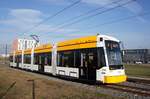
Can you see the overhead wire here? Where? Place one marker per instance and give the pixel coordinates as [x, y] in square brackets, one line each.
[88, 12]
[50, 17]
[88, 17]
[85, 14]
[93, 15]
[118, 20]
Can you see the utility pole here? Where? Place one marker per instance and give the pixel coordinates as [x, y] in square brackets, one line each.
[123, 51]
[6, 54]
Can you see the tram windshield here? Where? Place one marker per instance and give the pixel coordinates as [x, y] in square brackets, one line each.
[114, 55]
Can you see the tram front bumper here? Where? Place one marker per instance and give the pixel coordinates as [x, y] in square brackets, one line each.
[115, 79]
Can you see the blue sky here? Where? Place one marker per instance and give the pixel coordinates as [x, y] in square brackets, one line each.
[17, 16]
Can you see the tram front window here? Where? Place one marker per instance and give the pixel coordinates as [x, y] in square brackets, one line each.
[114, 55]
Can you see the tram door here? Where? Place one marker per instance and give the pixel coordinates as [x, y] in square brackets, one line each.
[83, 67]
[88, 66]
[41, 63]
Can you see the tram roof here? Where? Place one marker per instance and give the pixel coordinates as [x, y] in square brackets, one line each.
[43, 48]
[81, 40]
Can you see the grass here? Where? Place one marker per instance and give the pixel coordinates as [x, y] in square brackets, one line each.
[138, 70]
[4, 60]
[44, 89]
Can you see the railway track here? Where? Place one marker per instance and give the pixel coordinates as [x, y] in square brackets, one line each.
[139, 80]
[129, 89]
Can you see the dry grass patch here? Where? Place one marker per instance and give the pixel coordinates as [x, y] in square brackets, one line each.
[44, 89]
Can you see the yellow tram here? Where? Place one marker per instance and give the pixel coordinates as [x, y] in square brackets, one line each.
[92, 58]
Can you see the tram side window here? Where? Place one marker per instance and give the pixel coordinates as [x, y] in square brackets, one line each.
[43, 58]
[66, 59]
[77, 58]
[27, 59]
[36, 59]
[59, 59]
[101, 57]
[69, 59]
[50, 59]
[47, 59]
[18, 58]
